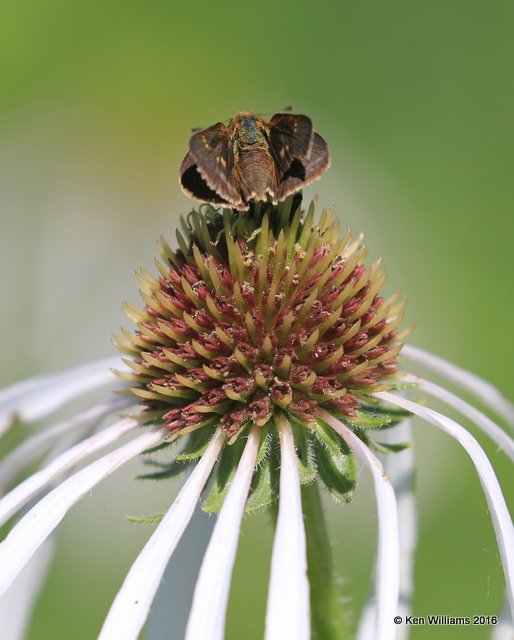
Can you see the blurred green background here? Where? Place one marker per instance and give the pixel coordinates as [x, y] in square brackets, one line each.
[415, 100]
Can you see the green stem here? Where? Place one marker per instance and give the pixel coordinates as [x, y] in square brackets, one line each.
[327, 616]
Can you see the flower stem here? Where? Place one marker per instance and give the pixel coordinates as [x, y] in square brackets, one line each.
[328, 620]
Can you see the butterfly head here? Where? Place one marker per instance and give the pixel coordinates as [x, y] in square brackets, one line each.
[248, 129]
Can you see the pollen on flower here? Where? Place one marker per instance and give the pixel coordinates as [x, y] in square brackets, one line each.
[276, 312]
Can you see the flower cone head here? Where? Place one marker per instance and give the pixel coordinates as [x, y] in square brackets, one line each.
[261, 313]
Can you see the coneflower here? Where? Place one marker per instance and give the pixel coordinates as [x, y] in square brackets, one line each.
[265, 360]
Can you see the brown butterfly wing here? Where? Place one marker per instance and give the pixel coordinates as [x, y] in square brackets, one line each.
[211, 150]
[290, 139]
[194, 185]
[304, 172]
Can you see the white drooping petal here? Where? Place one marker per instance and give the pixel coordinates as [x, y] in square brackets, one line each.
[367, 617]
[36, 397]
[504, 629]
[172, 601]
[401, 470]
[482, 389]
[288, 608]
[22, 493]
[388, 553]
[208, 612]
[499, 512]
[37, 524]
[496, 433]
[132, 604]
[16, 604]
[32, 448]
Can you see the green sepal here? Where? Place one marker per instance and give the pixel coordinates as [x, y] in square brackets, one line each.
[162, 446]
[336, 464]
[304, 453]
[222, 475]
[150, 462]
[395, 421]
[384, 447]
[146, 519]
[197, 443]
[169, 470]
[365, 420]
[371, 405]
[373, 415]
[265, 445]
[265, 481]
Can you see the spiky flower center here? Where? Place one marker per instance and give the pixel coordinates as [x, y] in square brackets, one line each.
[260, 313]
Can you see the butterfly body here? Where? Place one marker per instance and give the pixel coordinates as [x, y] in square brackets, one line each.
[253, 159]
[254, 170]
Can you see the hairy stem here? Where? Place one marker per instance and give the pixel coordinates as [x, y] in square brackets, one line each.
[328, 621]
